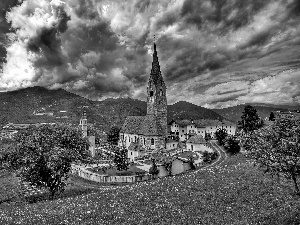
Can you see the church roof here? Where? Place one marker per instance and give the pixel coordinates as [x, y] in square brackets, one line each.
[196, 139]
[145, 125]
[132, 124]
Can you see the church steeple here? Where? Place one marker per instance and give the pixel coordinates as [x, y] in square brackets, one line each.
[156, 94]
[155, 70]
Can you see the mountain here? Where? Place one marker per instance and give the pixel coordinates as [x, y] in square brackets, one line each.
[186, 110]
[28, 106]
[263, 110]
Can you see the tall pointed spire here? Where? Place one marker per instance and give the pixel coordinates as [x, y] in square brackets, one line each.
[155, 70]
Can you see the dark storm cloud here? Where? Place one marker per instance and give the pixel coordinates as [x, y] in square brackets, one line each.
[84, 9]
[142, 5]
[47, 43]
[83, 38]
[197, 13]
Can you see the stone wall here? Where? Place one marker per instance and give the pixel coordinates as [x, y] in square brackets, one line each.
[88, 175]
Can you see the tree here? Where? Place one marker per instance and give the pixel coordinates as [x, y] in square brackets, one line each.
[191, 162]
[207, 137]
[209, 156]
[121, 159]
[113, 135]
[153, 169]
[272, 116]
[250, 120]
[100, 138]
[221, 135]
[276, 148]
[43, 155]
[232, 145]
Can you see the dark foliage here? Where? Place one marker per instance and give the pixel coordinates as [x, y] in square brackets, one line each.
[276, 148]
[121, 159]
[221, 135]
[272, 116]
[232, 145]
[153, 170]
[113, 135]
[43, 155]
[250, 120]
[208, 157]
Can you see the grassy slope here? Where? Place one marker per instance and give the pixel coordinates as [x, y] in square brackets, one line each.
[233, 193]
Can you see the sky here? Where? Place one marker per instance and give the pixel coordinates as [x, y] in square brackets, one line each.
[213, 53]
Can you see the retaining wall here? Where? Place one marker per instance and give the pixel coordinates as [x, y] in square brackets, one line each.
[88, 175]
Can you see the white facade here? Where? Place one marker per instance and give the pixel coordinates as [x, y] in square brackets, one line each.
[171, 145]
[183, 130]
[198, 147]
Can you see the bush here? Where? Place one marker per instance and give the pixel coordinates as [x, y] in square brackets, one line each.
[232, 145]
[208, 157]
[153, 170]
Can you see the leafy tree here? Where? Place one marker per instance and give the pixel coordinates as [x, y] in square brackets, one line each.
[43, 155]
[209, 156]
[113, 135]
[276, 148]
[121, 159]
[272, 116]
[154, 169]
[207, 137]
[250, 120]
[232, 145]
[221, 135]
[191, 162]
[100, 138]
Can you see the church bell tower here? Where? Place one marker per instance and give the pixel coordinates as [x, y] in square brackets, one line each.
[156, 94]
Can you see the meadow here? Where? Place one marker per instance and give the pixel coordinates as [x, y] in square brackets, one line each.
[232, 192]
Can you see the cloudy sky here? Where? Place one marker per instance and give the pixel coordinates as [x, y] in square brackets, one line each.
[213, 53]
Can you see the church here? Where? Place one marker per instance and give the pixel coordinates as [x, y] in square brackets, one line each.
[140, 134]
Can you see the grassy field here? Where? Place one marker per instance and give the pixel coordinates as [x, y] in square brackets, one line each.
[233, 192]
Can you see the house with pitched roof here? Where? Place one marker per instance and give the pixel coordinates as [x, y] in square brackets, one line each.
[146, 133]
[197, 143]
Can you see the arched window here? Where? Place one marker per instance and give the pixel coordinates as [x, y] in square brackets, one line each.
[144, 141]
[152, 141]
[151, 93]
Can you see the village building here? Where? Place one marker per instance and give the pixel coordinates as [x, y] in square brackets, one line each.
[197, 143]
[184, 129]
[171, 144]
[146, 133]
[91, 139]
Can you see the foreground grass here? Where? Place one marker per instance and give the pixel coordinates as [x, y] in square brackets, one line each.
[232, 193]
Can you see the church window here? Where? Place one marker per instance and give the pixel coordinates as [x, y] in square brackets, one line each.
[135, 139]
[151, 93]
[144, 141]
[131, 153]
[192, 147]
[152, 141]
